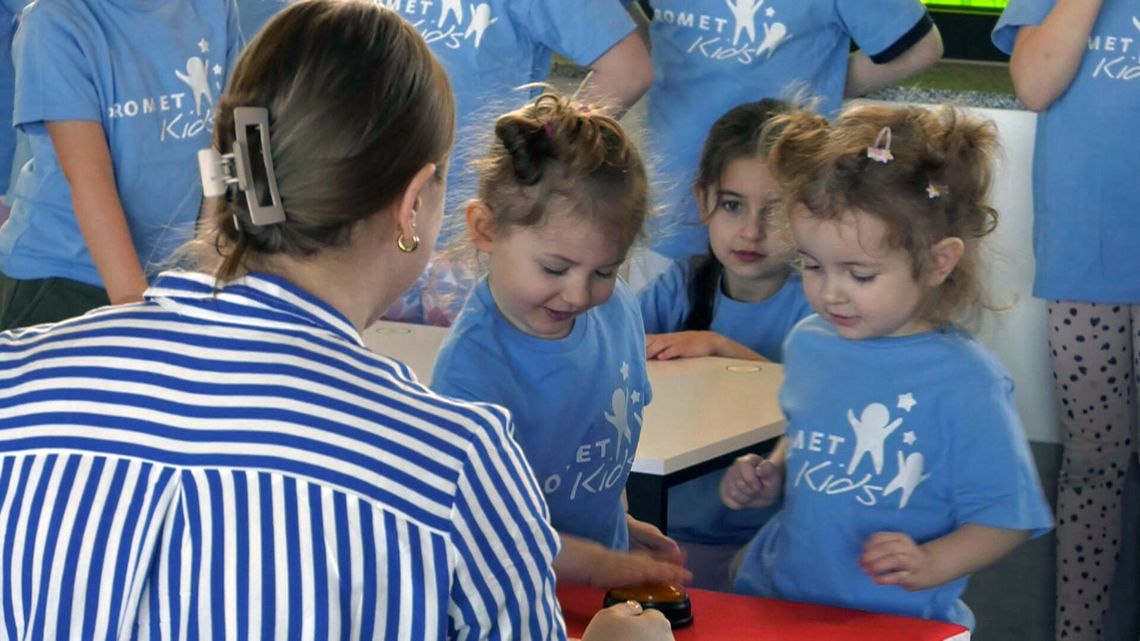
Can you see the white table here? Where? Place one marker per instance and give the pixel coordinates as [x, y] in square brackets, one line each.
[704, 413]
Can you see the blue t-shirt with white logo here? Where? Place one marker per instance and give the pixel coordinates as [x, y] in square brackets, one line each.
[696, 512]
[150, 73]
[577, 402]
[1085, 162]
[492, 47]
[712, 55]
[916, 434]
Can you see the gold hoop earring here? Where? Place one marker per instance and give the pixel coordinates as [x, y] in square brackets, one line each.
[408, 247]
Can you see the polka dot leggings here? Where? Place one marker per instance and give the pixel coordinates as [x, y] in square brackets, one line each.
[1095, 352]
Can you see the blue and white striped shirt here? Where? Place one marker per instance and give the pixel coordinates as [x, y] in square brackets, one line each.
[235, 464]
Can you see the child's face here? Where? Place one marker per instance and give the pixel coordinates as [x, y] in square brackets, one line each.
[853, 280]
[737, 210]
[544, 277]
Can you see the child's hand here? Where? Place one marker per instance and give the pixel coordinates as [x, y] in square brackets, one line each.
[680, 345]
[751, 482]
[893, 558]
[618, 569]
[691, 344]
[645, 537]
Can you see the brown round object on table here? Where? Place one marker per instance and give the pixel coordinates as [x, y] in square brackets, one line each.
[670, 600]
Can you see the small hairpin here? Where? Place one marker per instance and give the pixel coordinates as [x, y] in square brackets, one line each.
[549, 129]
[881, 154]
[933, 191]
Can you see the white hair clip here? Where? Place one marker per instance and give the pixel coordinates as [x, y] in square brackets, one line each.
[933, 191]
[881, 153]
[218, 170]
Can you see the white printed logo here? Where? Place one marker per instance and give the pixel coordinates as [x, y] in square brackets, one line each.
[712, 40]
[198, 80]
[450, 7]
[599, 465]
[745, 13]
[480, 20]
[178, 122]
[872, 432]
[448, 28]
[1121, 60]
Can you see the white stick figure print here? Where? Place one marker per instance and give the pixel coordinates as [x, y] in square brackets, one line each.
[871, 431]
[774, 34]
[620, 418]
[745, 13]
[198, 80]
[910, 476]
[480, 20]
[451, 7]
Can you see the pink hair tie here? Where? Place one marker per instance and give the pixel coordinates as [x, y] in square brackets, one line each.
[549, 130]
[882, 154]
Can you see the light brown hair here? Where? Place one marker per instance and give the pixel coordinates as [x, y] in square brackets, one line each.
[357, 105]
[825, 167]
[552, 150]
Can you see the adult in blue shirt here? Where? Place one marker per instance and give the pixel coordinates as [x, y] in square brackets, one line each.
[490, 49]
[226, 458]
[115, 99]
[1074, 64]
[711, 55]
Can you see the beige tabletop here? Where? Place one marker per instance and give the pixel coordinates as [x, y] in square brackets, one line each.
[702, 408]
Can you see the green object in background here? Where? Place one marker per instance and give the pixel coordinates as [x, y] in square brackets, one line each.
[990, 5]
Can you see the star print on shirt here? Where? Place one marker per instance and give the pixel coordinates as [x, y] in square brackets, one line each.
[770, 12]
[909, 438]
[217, 70]
[204, 45]
[906, 401]
[625, 370]
[635, 396]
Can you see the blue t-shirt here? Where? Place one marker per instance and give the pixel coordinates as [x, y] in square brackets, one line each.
[916, 434]
[696, 512]
[150, 74]
[576, 402]
[1085, 162]
[709, 58]
[761, 327]
[253, 14]
[492, 47]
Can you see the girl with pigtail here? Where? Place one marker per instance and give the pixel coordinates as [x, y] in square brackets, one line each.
[907, 468]
[555, 336]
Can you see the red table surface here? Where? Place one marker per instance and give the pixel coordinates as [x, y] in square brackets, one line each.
[718, 616]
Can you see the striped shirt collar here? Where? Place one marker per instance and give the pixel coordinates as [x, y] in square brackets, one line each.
[257, 299]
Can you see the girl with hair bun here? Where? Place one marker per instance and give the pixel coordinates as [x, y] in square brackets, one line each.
[553, 334]
[907, 468]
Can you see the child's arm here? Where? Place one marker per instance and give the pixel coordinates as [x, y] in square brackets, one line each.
[695, 343]
[619, 77]
[864, 76]
[754, 481]
[1046, 56]
[85, 160]
[893, 558]
[589, 563]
